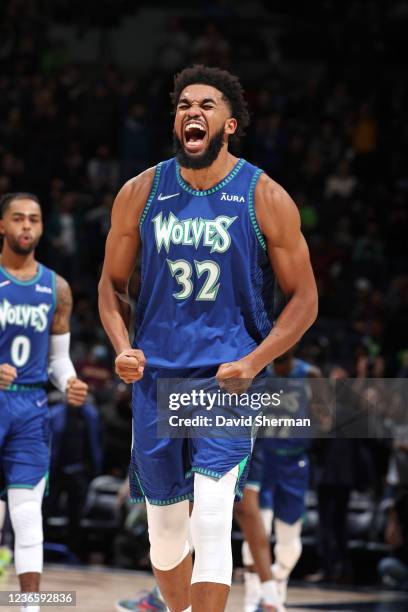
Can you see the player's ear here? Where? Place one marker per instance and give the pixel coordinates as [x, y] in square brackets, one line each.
[231, 126]
[1, 227]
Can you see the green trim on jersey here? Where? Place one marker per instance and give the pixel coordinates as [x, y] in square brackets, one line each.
[15, 280]
[163, 502]
[216, 187]
[251, 209]
[27, 387]
[152, 194]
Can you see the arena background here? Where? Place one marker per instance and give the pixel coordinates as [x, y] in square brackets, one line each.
[84, 105]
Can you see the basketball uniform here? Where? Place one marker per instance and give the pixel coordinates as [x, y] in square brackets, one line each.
[280, 466]
[205, 299]
[26, 312]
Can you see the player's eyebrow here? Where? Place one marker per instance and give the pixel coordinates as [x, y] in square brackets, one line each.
[22, 214]
[204, 101]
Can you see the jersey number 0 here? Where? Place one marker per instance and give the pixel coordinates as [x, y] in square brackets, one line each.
[20, 351]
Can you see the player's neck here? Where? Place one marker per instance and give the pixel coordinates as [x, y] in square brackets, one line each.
[18, 265]
[208, 177]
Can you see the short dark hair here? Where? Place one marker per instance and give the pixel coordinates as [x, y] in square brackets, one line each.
[8, 198]
[226, 83]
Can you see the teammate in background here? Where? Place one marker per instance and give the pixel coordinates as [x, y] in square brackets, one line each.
[210, 229]
[275, 492]
[35, 309]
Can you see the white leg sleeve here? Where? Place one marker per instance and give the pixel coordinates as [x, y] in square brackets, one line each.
[211, 524]
[267, 518]
[287, 549]
[26, 518]
[168, 534]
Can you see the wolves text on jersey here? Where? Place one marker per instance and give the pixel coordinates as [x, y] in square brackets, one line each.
[212, 233]
[24, 315]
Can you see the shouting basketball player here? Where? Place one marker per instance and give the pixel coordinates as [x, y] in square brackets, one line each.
[213, 232]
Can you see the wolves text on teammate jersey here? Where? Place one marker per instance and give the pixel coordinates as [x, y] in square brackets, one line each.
[24, 315]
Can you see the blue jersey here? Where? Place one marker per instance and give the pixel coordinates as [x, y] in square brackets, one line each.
[26, 312]
[295, 404]
[207, 286]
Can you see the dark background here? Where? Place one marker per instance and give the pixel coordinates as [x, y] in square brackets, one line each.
[84, 106]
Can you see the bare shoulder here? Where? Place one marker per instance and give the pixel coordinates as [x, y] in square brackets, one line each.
[133, 196]
[276, 212]
[63, 309]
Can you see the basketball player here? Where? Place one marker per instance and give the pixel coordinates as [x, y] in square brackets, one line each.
[211, 229]
[277, 483]
[35, 308]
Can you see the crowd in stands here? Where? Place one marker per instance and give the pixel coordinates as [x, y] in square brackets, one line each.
[331, 129]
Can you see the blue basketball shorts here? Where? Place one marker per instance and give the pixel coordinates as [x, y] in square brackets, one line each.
[161, 468]
[24, 438]
[256, 467]
[284, 484]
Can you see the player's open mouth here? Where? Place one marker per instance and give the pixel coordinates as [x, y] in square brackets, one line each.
[26, 238]
[195, 136]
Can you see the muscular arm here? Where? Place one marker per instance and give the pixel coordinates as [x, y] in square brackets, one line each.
[63, 310]
[122, 247]
[288, 253]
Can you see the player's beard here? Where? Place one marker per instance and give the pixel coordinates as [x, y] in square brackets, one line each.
[205, 159]
[18, 249]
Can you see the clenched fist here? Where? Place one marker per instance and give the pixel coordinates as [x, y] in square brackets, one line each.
[129, 365]
[235, 377]
[76, 391]
[7, 374]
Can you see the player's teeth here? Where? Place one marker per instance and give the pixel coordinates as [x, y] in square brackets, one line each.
[194, 125]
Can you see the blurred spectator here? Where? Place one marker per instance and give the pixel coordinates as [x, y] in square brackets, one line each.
[365, 141]
[63, 236]
[394, 569]
[174, 48]
[103, 170]
[338, 469]
[135, 142]
[368, 255]
[76, 458]
[341, 184]
[211, 49]
[117, 418]
[96, 371]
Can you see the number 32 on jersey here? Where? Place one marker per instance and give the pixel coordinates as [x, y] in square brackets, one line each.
[182, 271]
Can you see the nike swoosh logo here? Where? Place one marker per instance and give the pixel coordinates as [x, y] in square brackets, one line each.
[4, 283]
[166, 197]
[41, 402]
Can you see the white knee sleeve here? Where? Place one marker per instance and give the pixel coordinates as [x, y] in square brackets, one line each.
[267, 518]
[26, 518]
[168, 534]
[288, 548]
[211, 524]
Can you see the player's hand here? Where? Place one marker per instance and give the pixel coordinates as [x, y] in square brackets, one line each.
[130, 364]
[7, 374]
[235, 377]
[76, 391]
